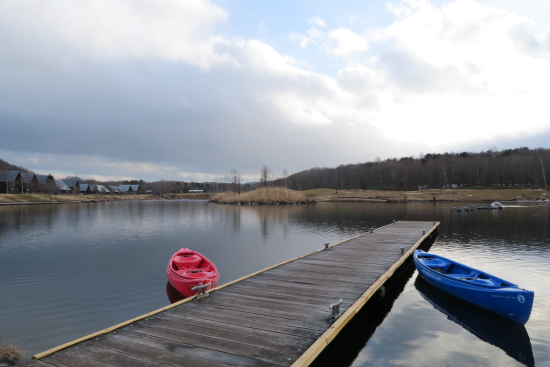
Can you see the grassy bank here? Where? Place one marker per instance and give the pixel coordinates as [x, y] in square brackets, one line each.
[191, 196]
[264, 195]
[459, 195]
[42, 198]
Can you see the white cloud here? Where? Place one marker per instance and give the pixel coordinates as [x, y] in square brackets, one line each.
[317, 21]
[347, 42]
[406, 8]
[464, 66]
[483, 82]
[341, 42]
[197, 176]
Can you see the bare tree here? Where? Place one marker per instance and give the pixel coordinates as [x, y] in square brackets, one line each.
[236, 181]
[51, 189]
[6, 176]
[539, 154]
[265, 175]
[285, 175]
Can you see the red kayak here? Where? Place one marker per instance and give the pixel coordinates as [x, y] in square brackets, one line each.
[188, 269]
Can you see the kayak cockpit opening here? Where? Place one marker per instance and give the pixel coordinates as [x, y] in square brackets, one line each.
[458, 270]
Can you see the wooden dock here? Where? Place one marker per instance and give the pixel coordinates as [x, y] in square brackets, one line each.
[275, 317]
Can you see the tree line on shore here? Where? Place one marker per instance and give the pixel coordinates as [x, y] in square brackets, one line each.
[520, 167]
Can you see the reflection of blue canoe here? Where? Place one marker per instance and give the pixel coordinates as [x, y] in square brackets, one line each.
[476, 287]
[512, 338]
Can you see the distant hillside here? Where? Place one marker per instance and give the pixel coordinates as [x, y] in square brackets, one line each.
[5, 166]
[521, 167]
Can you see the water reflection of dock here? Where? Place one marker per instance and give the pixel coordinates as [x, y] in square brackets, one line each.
[276, 317]
[512, 338]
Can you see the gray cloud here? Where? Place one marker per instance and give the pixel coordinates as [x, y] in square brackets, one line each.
[150, 110]
[532, 140]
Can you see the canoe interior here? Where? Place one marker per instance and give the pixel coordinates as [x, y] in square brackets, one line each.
[461, 272]
[191, 264]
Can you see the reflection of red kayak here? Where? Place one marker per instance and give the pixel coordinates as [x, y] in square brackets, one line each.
[188, 269]
[173, 294]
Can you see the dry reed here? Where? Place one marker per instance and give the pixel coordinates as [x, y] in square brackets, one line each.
[10, 353]
[263, 195]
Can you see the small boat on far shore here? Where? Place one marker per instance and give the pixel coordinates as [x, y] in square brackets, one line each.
[188, 269]
[496, 205]
[476, 287]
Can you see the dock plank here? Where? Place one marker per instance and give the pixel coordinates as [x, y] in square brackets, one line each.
[215, 341]
[191, 353]
[229, 298]
[160, 354]
[261, 338]
[270, 294]
[112, 357]
[222, 319]
[254, 317]
[37, 363]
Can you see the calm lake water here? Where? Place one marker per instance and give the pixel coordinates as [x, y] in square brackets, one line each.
[69, 270]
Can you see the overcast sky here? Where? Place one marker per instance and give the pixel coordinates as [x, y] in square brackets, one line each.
[188, 90]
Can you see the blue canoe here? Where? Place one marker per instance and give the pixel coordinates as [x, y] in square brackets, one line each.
[476, 287]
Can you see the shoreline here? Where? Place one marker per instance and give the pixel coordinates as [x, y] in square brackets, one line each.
[434, 195]
[316, 195]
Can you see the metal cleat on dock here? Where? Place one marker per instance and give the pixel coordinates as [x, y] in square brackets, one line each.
[335, 307]
[201, 291]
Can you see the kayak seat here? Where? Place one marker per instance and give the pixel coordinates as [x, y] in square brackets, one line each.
[488, 282]
[195, 273]
[186, 261]
[433, 263]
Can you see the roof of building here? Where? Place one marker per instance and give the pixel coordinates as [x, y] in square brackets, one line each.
[8, 176]
[28, 177]
[101, 188]
[61, 185]
[125, 188]
[43, 178]
[71, 182]
[84, 187]
[114, 188]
